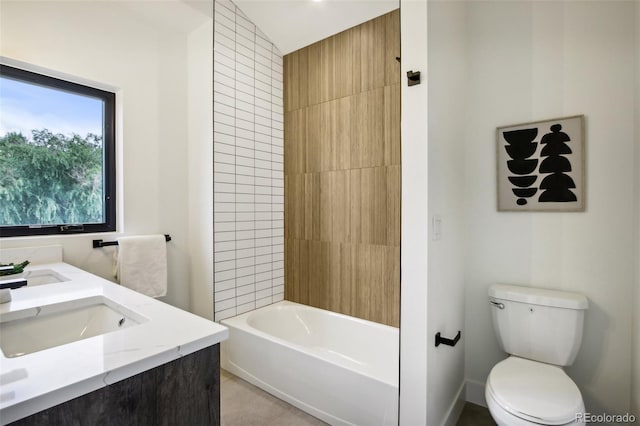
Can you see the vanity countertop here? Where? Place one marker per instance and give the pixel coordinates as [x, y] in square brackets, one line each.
[37, 381]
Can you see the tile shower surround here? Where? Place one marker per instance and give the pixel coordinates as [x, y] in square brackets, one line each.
[248, 165]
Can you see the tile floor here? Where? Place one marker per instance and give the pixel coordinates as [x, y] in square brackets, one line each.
[242, 404]
[475, 415]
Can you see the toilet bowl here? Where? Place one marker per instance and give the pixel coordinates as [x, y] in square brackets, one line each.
[521, 392]
[541, 330]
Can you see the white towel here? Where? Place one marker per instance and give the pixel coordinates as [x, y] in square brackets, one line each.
[142, 264]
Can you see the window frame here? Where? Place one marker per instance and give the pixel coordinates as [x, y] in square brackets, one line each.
[108, 150]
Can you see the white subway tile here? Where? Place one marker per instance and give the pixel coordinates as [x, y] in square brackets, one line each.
[262, 294]
[245, 42]
[224, 246]
[225, 275]
[263, 267]
[261, 285]
[263, 173]
[225, 313]
[245, 198]
[224, 256]
[242, 133]
[245, 106]
[224, 236]
[261, 198]
[244, 143]
[245, 235]
[247, 279]
[243, 78]
[224, 295]
[245, 216]
[225, 285]
[245, 180]
[265, 69]
[248, 34]
[264, 259]
[261, 242]
[244, 124]
[244, 161]
[245, 51]
[263, 301]
[224, 138]
[223, 177]
[224, 128]
[223, 148]
[245, 289]
[224, 217]
[225, 30]
[224, 207]
[243, 22]
[244, 253]
[263, 216]
[245, 60]
[225, 266]
[222, 88]
[244, 170]
[247, 261]
[261, 94]
[221, 19]
[278, 248]
[225, 304]
[223, 187]
[244, 97]
[278, 281]
[224, 197]
[245, 244]
[246, 307]
[262, 224]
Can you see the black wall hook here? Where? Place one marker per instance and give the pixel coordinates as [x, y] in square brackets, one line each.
[445, 341]
[413, 78]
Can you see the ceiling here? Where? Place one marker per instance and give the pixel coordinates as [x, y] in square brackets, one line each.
[178, 15]
[293, 24]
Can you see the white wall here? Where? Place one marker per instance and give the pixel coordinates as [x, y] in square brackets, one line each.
[635, 393]
[105, 42]
[447, 75]
[248, 165]
[537, 60]
[414, 234]
[200, 152]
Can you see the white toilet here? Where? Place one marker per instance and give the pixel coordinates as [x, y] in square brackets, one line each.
[542, 331]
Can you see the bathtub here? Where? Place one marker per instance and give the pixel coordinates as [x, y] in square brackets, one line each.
[340, 369]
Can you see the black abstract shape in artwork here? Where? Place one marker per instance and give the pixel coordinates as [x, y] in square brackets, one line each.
[520, 147]
[556, 185]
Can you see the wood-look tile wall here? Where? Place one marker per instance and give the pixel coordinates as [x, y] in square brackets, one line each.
[342, 172]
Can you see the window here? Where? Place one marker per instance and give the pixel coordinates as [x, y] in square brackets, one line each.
[57, 156]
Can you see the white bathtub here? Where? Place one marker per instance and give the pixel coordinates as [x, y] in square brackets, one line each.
[340, 369]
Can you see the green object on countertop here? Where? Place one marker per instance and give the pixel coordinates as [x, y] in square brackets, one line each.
[13, 268]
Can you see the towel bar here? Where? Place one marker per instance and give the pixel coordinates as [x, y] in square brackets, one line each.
[100, 243]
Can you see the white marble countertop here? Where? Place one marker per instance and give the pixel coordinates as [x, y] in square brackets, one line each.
[36, 381]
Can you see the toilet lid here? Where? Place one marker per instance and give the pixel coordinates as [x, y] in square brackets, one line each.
[535, 391]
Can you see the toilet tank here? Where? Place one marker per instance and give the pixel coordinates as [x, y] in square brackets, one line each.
[538, 324]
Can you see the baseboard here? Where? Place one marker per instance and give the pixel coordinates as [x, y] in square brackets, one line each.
[474, 393]
[456, 408]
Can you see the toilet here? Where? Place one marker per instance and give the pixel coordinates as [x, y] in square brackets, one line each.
[541, 330]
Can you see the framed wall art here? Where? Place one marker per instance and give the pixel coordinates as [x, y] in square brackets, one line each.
[541, 165]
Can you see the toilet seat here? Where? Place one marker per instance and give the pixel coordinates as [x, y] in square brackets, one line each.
[535, 392]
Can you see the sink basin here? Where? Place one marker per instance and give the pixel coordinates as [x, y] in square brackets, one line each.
[36, 329]
[37, 277]
[43, 276]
